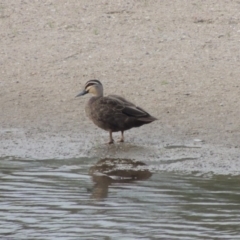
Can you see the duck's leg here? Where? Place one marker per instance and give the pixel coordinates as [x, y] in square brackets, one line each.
[122, 137]
[111, 141]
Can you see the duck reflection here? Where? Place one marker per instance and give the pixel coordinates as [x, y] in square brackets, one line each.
[115, 170]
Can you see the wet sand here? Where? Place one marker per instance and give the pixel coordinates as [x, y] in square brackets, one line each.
[179, 61]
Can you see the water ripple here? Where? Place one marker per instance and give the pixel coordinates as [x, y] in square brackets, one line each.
[58, 199]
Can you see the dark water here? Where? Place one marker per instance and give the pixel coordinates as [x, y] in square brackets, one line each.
[57, 199]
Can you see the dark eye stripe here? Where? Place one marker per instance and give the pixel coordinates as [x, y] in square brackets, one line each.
[96, 81]
[92, 82]
[89, 84]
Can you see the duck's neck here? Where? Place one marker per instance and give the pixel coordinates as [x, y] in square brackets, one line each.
[98, 94]
[94, 98]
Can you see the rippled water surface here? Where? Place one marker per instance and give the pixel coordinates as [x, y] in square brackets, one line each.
[57, 199]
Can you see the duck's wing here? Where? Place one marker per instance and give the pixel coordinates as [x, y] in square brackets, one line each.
[138, 113]
[121, 99]
[129, 109]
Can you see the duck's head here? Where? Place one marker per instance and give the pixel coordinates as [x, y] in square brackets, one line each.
[92, 86]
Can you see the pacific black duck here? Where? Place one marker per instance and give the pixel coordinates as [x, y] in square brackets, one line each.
[113, 113]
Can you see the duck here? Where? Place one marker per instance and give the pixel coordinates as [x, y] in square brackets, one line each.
[112, 113]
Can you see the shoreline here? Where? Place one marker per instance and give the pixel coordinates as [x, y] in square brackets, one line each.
[179, 62]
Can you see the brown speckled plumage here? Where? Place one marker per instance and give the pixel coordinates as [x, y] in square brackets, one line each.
[113, 113]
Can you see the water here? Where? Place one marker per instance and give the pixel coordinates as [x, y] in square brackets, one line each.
[57, 199]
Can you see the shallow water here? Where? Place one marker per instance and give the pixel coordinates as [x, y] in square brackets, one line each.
[57, 199]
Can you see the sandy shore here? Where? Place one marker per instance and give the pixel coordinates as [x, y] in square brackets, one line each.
[178, 60]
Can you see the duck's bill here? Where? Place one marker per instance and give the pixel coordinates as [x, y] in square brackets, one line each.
[82, 93]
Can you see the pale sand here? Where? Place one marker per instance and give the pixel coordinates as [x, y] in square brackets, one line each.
[179, 60]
